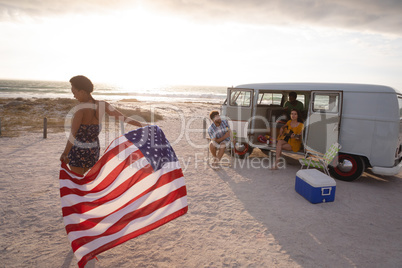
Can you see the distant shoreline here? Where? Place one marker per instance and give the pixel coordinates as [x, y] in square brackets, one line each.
[110, 92]
[22, 115]
[128, 100]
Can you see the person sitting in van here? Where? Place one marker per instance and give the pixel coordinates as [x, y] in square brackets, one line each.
[293, 103]
[219, 132]
[289, 136]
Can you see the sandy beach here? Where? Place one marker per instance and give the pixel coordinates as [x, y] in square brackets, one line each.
[240, 216]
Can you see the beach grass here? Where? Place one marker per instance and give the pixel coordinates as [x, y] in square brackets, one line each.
[19, 115]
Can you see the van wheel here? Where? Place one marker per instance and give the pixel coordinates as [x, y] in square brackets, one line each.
[242, 150]
[349, 168]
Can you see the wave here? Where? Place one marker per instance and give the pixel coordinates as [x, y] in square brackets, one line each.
[52, 89]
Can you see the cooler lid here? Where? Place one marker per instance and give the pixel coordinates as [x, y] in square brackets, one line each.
[315, 178]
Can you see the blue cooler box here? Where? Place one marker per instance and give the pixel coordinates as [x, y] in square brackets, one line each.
[315, 186]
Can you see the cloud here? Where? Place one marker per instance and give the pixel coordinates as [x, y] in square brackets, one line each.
[18, 9]
[362, 15]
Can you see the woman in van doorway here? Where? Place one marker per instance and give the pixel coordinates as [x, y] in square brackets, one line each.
[290, 136]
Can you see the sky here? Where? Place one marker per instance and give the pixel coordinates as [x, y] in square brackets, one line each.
[202, 42]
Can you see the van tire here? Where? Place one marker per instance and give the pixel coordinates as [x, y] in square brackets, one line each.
[356, 167]
[244, 153]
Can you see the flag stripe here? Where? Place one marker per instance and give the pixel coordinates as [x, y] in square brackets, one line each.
[136, 186]
[106, 181]
[134, 226]
[110, 207]
[123, 178]
[115, 143]
[138, 203]
[90, 223]
[95, 170]
[120, 152]
[109, 178]
[126, 219]
[132, 235]
[112, 218]
[112, 181]
[109, 162]
[121, 189]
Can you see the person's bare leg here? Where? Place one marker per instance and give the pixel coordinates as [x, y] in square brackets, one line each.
[221, 151]
[212, 148]
[279, 147]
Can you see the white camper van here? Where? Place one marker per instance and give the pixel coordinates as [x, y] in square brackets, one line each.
[364, 119]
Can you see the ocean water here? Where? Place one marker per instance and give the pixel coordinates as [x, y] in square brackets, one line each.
[114, 92]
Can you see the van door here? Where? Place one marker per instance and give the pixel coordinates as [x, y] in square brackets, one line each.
[239, 109]
[323, 120]
[239, 104]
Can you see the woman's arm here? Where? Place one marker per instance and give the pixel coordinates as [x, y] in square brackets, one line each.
[299, 133]
[301, 128]
[75, 124]
[110, 110]
[283, 128]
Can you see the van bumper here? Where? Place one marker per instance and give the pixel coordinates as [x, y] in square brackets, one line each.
[388, 171]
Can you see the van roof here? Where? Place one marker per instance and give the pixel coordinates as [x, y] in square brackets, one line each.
[320, 86]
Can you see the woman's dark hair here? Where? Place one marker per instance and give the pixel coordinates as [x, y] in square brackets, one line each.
[81, 82]
[299, 117]
[213, 114]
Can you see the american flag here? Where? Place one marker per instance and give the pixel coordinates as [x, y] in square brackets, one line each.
[135, 187]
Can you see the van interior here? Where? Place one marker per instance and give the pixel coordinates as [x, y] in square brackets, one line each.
[270, 114]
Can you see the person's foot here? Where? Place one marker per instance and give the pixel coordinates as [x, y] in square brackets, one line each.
[215, 165]
[273, 168]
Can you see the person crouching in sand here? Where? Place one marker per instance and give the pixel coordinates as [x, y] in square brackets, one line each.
[219, 132]
[290, 136]
[83, 148]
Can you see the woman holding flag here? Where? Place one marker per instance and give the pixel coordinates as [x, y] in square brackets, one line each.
[82, 149]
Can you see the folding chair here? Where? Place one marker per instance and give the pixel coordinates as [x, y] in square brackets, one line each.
[322, 160]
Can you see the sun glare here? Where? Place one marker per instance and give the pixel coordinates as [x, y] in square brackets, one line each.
[126, 47]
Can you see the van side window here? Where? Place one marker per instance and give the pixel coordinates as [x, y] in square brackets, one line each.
[400, 106]
[301, 98]
[270, 98]
[240, 98]
[327, 103]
